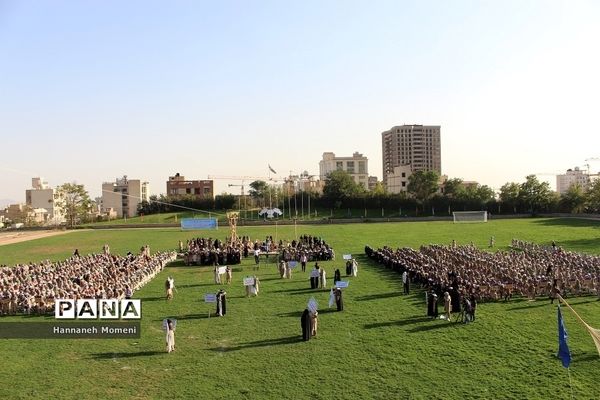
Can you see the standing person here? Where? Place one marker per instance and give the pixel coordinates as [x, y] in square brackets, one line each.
[314, 321]
[128, 292]
[306, 325]
[282, 269]
[492, 241]
[473, 306]
[447, 305]
[106, 249]
[221, 303]
[337, 276]
[406, 282]
[354, 268]
[314, 277]
[180, 246]
[348, 268]
[303, 260]
[254, 289]
[432, 305]
[217, 276]
[228, 274]
[170, 336]
[256, 257]
[288, 271]
[322, 278]
[169, 286]
[339, 300]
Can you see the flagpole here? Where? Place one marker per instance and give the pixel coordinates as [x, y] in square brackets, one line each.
[570, 385]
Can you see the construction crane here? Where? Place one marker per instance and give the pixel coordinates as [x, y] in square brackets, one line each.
[587, 162]
[242, 194]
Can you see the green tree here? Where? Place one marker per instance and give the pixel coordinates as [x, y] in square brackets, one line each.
[423, 184]
[535, 194]
[509, 195]
[573, 200]
[259, 190]
[379, 189]
[593, 197]
[74, 201]
[453, 188]
[225, 201]
[340, 185]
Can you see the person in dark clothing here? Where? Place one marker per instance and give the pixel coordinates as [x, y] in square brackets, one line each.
[337, 276]
[306, 324]
[221, 303]
[339, 300]
[432, 305]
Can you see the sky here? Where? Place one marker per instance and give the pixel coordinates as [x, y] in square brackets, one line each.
[91, 91]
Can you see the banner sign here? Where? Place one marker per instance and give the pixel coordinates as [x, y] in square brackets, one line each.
[210, 298]
[222, 270]
[199, 223]
[341, 284]
[249, 281]
[347, 256]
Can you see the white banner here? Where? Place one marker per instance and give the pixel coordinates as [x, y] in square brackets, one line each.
[347, 256]
[342, 284]
[249, 281]
[210, 298]
[222, 270]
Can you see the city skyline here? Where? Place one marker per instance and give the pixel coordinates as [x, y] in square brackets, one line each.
[92, 92]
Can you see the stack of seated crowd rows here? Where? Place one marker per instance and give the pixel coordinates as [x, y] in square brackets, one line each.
[312, 247]
[209, 251]
[33, 287]
[492, 276]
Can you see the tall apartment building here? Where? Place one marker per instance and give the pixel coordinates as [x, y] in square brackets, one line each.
[123, 196]
[178, 186]
[416, 145]
[357, 166]
[572, 177]
[41, 195]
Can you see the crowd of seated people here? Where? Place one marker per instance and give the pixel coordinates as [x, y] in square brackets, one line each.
[209, 251]
[34, 287]
[531, 272]
[313, 248]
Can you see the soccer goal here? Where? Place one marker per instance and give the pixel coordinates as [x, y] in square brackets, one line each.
[470, 216]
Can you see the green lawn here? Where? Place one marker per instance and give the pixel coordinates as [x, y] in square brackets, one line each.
[380, 347]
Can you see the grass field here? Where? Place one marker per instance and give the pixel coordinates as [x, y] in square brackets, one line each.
[380, 347]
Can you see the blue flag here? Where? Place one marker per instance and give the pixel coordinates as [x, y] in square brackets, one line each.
[563, 349]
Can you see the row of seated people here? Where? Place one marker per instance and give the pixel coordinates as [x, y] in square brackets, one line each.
[499, 275]
[26, 288]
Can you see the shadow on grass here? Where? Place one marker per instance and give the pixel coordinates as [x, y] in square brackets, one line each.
[594, 223]
[300, 291]
[260, 343]
[434, 325]
[110, 356]
[163, 298]
[403, 322]
[378, 296]
[530, 305]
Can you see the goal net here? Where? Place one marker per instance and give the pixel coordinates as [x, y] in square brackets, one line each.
[470, 216]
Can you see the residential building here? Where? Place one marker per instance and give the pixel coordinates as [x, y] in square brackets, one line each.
[41, 195]
[397, 179]
[357, 166]
[178, 186]
[572, 177]
[123, 196]
[416, 145]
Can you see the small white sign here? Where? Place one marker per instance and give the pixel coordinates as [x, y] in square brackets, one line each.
[347, 256]
[312, 305]
[342, 284]
[222, 270]
[210, 298]
[249, 281]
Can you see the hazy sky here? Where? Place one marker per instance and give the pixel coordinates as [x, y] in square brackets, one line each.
[92, 90]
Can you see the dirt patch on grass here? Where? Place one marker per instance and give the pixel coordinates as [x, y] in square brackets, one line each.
[23, 236]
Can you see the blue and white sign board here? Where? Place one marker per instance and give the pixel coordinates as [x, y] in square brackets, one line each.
[222, 270]
[347, 256]
[165, 324]
[292, 264]
[312, 305]
[249, 281]
[210, 298]
[199, 223]
[341, 284]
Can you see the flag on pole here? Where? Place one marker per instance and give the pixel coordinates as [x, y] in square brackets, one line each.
[563, 349]
[271, 169]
